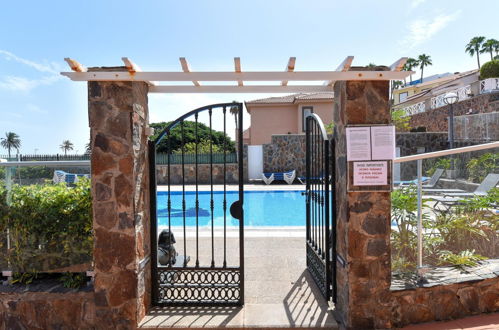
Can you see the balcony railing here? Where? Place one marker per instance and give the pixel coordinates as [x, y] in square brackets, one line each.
[415, 108]
[486, 86]
[463, 93]
[489, 85]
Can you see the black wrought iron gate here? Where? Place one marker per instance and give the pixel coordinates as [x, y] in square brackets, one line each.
[204, 268]
[320, 207]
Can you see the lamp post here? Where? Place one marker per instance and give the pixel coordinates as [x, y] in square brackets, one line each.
[451, 98]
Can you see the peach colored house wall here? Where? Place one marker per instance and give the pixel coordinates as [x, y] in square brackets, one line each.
[268, 120]
[324, 110]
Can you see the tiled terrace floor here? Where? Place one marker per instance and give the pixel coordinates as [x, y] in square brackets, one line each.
[279, 292]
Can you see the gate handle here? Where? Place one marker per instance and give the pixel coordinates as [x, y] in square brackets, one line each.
[236, 210]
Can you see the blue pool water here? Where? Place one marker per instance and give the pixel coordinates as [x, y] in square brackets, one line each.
[261, 208]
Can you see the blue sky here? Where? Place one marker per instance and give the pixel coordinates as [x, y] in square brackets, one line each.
[45, 108]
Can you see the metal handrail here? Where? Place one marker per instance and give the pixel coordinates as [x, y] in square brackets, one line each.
[68, 163]
[447, 152]
[419, 188]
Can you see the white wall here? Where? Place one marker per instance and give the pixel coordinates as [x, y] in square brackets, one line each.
[255, 162]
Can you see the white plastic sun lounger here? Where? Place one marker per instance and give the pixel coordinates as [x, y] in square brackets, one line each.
[289, 177]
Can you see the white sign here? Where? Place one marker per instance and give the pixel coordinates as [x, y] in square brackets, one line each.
[358, 143]
[370, 173]
[383, 142]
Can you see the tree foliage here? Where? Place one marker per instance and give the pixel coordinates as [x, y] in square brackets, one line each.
[423, 60]
[66, 145]
[11, 141]
[490, 46]
[189, 128]
[474, 47]
[401, 120]
[490, 70]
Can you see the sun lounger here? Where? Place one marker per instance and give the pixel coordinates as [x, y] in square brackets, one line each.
[61, 176]
[289, 177]
[452, 199]
[488, 183]
[428, 182]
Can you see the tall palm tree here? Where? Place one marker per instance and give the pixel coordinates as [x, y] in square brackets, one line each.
[234, 110]
[11, 141]
[66, 145]
[410, 64]
[496, 48]
[423, 60]
[474, 46]
[489, 46]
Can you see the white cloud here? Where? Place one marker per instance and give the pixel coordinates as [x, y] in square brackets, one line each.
[416, 3]
[34, 108]
[49, 68]
[422, 30]
[16, 83]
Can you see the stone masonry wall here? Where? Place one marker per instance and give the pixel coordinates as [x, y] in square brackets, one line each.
[435, 120]
[363, 218]
[118, 116]
[44, 310]
[445, 302]
[204, 174]
[285, 153]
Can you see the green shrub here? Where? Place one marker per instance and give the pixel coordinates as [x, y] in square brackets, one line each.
[478, 168]
[490, 70]
[461, 237]
[50, 226]
[440, 163]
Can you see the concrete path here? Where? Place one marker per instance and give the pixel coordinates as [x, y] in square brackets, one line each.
[279, 293]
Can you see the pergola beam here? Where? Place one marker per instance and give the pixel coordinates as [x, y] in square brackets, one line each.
[237, 68]
[399, 64]
[289, 68]
[233, 76]
[133, 68]
[74, 65]
[241, 89]
[186, 68]
[343, 67]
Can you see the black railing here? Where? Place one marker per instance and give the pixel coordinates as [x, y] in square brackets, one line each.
[320, 220]
[218, 158]
[47, 157]
[210, 279]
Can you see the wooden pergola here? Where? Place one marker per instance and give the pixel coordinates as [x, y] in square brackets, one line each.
[322, 81]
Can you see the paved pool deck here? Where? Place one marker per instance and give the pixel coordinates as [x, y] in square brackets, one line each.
[279, 291]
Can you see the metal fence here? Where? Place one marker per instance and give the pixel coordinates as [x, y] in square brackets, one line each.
[161, 158]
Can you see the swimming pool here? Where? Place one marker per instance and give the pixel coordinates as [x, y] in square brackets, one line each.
[261, 208]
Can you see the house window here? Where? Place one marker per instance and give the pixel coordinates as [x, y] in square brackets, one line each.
[403, 97]
[305, 111]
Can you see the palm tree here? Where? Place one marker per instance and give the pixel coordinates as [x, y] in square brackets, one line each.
[473, 47]
[496, 48]
[11, 140]
[423, 60]
[489, 46]
[66, 145]
[410, 64]
[234, 110]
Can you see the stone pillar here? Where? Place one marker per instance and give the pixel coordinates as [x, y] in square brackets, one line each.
[118, 115]
[363, 218]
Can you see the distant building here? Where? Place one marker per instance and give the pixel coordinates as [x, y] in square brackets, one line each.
[285, 115]
[404, 94]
